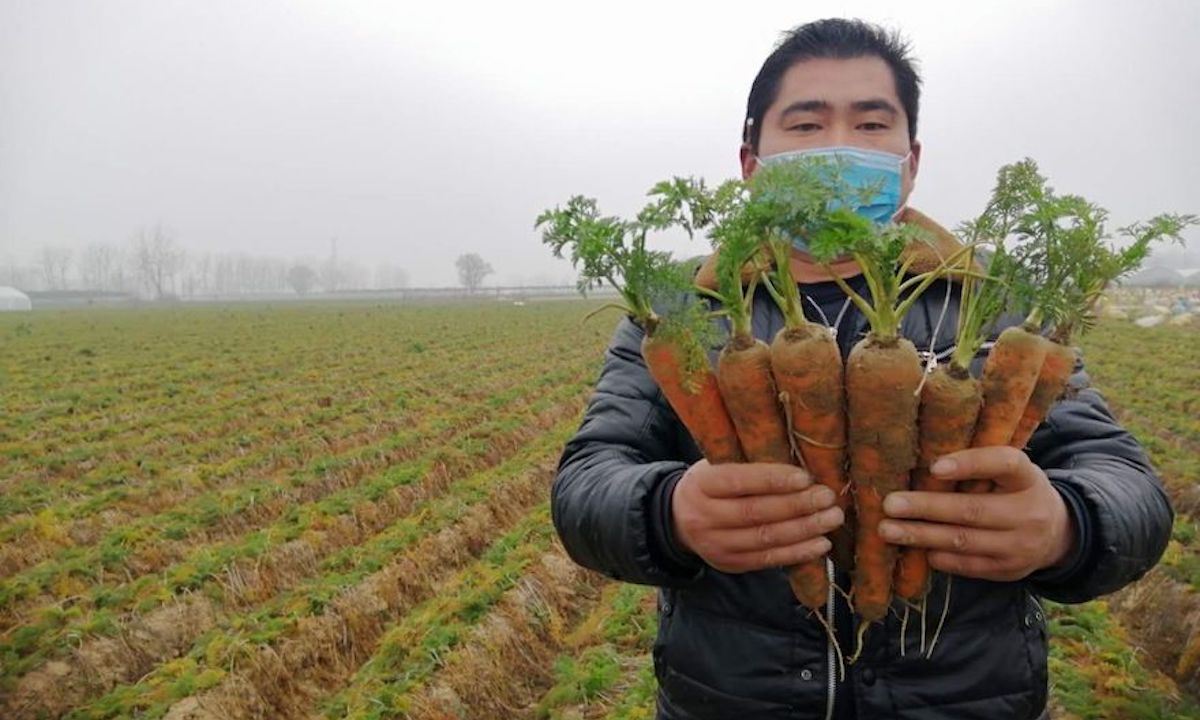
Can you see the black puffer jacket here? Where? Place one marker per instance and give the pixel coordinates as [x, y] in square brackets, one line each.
[740, 646]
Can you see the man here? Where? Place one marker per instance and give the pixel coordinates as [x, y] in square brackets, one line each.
[1077, 515]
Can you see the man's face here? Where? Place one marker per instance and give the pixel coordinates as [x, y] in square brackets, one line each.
[825, 102]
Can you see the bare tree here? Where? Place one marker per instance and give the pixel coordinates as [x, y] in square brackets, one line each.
[122, 276]
[157, 258]
[223, 280]
[97, 266]
[472, 269]
[202, 266]
[55, 263]
[302, 278]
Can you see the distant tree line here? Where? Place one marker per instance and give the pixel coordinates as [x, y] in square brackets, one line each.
[154, 264]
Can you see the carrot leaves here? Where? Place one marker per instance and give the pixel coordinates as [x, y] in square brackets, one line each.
[1061, 257]
[607, 249]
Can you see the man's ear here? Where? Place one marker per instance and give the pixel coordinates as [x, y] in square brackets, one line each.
[909, 180]
[746, 158]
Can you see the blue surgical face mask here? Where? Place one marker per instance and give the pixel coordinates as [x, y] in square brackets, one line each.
[860, 169]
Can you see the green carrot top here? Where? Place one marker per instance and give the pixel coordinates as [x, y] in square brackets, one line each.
[607, 249]
[1056, 261]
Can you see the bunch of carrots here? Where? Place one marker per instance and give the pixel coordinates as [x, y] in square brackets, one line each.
[875, 423]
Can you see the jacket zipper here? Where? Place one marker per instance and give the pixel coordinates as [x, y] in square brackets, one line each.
[831, 659]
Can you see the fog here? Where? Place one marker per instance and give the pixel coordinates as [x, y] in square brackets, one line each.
[415, 132]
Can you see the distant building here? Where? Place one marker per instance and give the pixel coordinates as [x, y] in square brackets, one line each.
[13, 299]
[78, 298]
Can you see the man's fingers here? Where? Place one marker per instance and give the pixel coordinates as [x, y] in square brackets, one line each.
[976, 566]
[972, 510]
[787, 532]
[742, 479]
[950, 538]
[741, 512]
[775, 557]
[1007, 467]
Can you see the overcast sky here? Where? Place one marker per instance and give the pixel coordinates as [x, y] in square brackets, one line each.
[414, 132]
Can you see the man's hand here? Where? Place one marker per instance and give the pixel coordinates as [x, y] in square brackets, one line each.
[749, 516]
[1020, 527]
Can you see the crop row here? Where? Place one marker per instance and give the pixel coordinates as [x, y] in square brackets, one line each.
[165, 446]
[269, 661]
[1150, 374]
[158, 598]
[151, 543]
[600, 669]
[148, 354]
[1149, 379]
[184, 508]
[332, 529]
[1097, 671]
[390, 553]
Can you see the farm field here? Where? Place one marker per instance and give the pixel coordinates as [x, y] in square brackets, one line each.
[340, 510]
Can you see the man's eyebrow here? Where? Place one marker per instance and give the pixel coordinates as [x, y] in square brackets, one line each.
[868, 105]
[806, 106]
[874, 104]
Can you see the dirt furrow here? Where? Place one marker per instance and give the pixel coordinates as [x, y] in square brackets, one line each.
[103, 663]
[323, 651]
[84, 527]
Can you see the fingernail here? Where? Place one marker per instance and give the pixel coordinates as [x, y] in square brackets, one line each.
[945, 466]
[889, 532]
[895, 505]
[826, 497]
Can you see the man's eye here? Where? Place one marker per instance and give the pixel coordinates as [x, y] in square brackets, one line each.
[873, 126]
[805, 127]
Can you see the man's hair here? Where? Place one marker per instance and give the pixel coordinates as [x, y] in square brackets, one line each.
[840, 39]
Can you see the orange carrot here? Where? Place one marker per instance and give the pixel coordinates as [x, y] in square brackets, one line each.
[744, 372]
[1051, 384]
[807, 367]
[882, 377]
[1009, 376]
[744, 377]
[810, 583]
[695, 397]
[876, 558]
[610, 250]
[950, 403]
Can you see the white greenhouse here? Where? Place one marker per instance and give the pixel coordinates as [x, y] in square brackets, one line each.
[13, 299]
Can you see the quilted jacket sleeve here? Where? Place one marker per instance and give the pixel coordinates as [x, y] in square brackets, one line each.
[1122, 515]
[613, 472]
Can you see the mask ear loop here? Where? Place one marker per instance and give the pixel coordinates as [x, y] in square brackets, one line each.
[899, 214]
[833, 329]
[929, 356]
[746, 128]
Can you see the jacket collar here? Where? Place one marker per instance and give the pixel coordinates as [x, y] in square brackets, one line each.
[925, 256]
